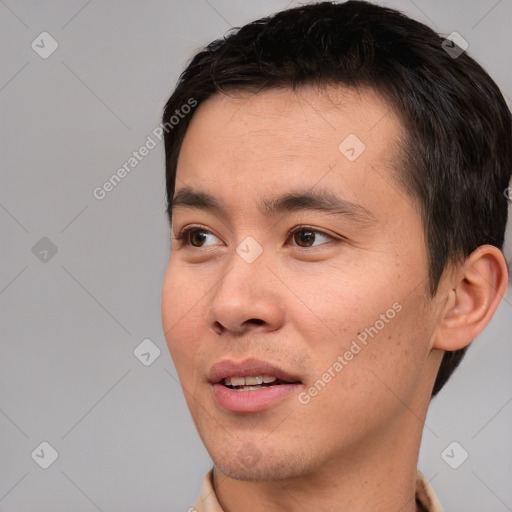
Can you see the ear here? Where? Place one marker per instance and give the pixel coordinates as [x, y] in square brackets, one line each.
[472, 294]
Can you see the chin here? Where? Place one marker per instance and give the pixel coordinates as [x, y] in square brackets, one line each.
[249, 463]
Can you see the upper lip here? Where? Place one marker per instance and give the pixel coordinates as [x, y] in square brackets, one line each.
[248, 367]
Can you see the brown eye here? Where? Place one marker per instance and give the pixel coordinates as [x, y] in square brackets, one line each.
[197, 235]
[194, 236]
[305, 237]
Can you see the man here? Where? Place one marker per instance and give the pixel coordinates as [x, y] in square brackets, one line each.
[336, 198]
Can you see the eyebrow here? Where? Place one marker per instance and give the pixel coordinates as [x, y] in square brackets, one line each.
[321, 200]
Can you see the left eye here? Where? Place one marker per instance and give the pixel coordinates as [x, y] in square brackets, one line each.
[305, 235]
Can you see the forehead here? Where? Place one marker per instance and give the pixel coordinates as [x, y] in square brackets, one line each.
[262, 143]
[287, 124]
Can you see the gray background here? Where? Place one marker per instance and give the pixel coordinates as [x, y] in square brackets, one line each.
[70, 324]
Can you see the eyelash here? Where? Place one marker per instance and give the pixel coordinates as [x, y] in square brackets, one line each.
[183, 234]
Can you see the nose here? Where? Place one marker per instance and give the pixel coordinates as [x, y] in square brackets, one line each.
[247, 298]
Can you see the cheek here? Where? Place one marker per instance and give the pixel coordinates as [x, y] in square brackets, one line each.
[380, 366]
[364, 337]
[333, 306]
[182, 320]
[168, 302]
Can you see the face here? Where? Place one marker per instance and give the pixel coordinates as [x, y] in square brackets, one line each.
[305, 263]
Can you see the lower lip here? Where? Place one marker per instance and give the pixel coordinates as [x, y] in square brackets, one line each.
[254, 400]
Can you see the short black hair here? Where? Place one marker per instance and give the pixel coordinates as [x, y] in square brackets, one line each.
[456, 159]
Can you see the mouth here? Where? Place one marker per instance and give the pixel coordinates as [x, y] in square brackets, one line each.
[250, 385]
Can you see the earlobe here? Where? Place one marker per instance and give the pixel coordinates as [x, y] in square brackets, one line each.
[474, 293]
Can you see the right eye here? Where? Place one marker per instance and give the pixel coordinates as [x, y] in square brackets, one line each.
[192, 235]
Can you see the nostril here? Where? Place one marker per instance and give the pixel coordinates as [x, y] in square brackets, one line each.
[217, 328]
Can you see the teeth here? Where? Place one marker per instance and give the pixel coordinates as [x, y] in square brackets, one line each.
[249, 381]
[237, 381]
[248, 388]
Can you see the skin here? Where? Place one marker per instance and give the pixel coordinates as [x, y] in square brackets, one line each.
[303, 301]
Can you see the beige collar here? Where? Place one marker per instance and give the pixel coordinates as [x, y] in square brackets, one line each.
[207, 500]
